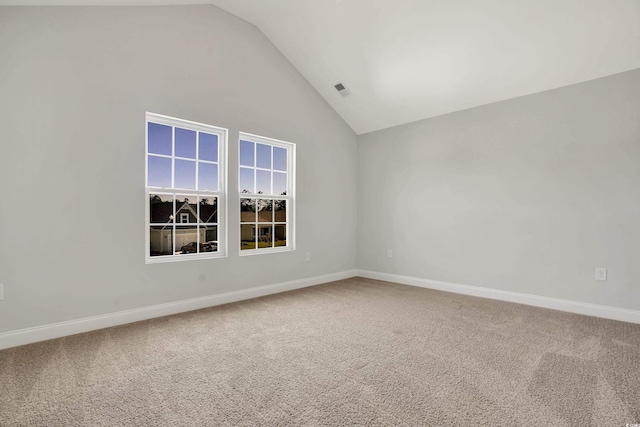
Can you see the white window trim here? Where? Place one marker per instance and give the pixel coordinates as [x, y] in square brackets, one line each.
[221, 194]
[290, 197]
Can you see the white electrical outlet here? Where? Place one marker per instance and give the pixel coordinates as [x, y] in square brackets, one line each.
[307, 257]
[389, 253]
[601, 274]
[1, 292]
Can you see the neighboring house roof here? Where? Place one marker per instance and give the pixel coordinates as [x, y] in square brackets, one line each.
[264, 216]
[208, 213]
[162, 212]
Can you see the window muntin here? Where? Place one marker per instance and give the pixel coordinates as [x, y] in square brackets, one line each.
[266, 186]
[185, 187]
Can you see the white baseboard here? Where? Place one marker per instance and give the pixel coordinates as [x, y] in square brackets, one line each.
[57, 330]
[607, 312]
[71, 327]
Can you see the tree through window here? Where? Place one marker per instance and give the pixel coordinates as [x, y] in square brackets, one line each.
[185, 189]
[266, 185]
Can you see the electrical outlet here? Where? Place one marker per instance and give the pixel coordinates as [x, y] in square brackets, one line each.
[601, 274]
[307, 257]
[389, 253]
[1, 292]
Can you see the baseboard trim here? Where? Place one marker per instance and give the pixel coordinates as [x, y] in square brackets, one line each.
[71, 327]
[596, 310]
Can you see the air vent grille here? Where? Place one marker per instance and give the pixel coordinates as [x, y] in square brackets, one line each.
[342, 89]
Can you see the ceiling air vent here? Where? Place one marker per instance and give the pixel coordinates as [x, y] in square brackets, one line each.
[342, 90]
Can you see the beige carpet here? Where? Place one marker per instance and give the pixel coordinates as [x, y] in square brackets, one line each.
[354, 352]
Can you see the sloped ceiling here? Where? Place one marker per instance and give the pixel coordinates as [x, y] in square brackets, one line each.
[407, 60]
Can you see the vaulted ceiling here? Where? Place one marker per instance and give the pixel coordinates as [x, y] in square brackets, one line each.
[406, 60]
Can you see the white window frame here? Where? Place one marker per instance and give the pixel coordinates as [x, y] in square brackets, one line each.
[289, 197]
[221, 194]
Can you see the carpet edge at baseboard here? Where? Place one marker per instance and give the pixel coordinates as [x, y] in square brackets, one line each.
[607, 312]
[71, 327]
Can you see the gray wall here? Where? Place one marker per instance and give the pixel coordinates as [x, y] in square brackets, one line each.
[74, 87]
[528, 195]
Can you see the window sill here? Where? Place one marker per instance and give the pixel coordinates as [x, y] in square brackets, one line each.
[249, 252]
[178, 258]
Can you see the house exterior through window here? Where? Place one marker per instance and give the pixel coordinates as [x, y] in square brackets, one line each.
[185, 187]
[267, 204]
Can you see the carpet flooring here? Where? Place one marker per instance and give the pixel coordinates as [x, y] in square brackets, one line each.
[353, 352]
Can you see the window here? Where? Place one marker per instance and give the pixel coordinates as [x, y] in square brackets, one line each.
[266, 185]
[185, 189]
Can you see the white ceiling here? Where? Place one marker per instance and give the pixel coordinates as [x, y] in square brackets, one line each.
[406, 60]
